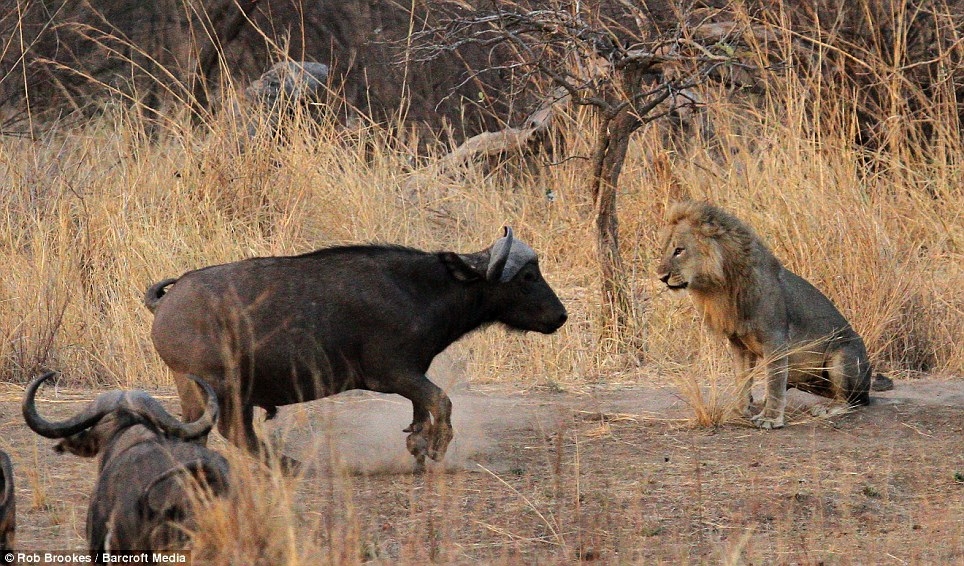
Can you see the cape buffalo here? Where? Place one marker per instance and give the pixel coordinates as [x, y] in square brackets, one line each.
[8, 508]
[149, 464]
[273, 331]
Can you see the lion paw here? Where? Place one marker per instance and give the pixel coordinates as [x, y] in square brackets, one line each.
[827, 411]
[767, 422]
[745, 411]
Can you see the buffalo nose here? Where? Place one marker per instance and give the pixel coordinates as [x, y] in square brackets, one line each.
[563, 318]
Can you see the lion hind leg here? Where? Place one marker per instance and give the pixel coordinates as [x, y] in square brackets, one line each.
[850, 376]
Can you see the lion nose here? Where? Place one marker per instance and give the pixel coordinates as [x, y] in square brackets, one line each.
[664, 277]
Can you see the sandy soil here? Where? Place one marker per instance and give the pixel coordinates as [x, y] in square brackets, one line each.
[614, 474]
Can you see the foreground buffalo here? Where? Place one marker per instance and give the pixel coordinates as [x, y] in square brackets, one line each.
[151, 467]
[279, 330]
[8, 508]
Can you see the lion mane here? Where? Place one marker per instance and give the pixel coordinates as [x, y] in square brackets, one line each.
[765, 311]
[727, 276]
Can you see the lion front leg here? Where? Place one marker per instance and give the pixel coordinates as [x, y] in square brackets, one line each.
[772, 415]
[744, 363]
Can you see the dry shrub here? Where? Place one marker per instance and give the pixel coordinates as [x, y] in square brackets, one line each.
[257, 523]
[94, 220]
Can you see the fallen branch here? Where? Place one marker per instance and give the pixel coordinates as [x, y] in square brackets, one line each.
[503, 142]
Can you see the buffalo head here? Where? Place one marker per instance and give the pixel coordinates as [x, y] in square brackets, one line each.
[8, 505]
[88, 433]
[521, 297]
[149, 465]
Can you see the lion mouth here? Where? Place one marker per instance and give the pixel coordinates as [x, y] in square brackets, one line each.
[677, 286]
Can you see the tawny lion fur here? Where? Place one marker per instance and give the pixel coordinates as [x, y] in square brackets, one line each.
[764, 310]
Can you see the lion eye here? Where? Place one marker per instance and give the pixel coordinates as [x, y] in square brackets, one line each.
[678, 251]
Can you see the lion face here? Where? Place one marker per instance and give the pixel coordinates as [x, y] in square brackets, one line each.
[676, 269]
[689, 261]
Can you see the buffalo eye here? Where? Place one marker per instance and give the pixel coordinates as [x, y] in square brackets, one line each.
[529, 277]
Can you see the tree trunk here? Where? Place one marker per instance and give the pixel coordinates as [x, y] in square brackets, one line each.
[234, 17]
[608, 157]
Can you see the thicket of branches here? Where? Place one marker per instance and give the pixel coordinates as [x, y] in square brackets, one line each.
[637, 62]
[622, 68]
[66, 57]
[898, 58]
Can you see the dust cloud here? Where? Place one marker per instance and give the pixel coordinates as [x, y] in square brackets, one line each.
[360, 432]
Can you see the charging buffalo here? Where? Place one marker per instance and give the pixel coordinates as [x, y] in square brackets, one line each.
[274, 331]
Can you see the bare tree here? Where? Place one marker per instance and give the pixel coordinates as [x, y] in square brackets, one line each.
[614, 63]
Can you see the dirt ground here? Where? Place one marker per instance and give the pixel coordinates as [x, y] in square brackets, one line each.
[607, 474]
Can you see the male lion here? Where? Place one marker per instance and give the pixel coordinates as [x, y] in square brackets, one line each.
[765, 311]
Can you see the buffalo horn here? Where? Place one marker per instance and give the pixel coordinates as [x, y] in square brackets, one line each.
[508, 256]
[498, 256]
[94, 412]
[137, 403]
[150, 409]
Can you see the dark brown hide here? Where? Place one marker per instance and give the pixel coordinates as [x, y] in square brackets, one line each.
[8, 508]
[279, 330]
[151, 467]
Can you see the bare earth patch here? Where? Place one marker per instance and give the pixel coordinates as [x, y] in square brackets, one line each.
[617, 475]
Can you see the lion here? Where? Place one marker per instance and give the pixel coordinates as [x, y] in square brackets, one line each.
[765, 311]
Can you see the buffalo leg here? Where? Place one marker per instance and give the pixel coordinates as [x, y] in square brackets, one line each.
[431, 428]
[192, 400]
[417, 440]
[237, 426]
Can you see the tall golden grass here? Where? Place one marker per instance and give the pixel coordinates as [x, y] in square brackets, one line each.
[95, 214]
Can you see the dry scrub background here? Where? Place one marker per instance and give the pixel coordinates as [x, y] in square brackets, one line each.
[93, 214]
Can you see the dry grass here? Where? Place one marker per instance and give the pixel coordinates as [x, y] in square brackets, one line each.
[225, 533]
[95, 214]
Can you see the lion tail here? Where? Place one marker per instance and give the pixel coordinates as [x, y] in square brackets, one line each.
[881, 383]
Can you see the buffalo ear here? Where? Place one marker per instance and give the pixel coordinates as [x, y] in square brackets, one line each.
[463, 267]
[84, 444]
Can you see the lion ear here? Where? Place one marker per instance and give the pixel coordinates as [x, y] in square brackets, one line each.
[711, 228]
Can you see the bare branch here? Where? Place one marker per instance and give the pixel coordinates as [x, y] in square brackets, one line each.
[628, 79]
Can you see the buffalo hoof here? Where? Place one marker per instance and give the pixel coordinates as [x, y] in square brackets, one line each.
[419, 468]
[441, 438]
[417, 445]
[881, 383]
